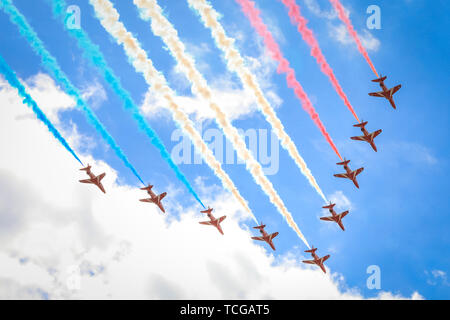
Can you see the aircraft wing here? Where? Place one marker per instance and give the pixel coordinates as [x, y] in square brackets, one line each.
[309, 261]
[206, 223]
[325, 258]
[341, 215]
[146, 200]
[341, 175]
[258, 238]
[87, 181]
[377, 94]
[327, 218]
[359, 138]
[394, 90]
[273, 235]
[162, 195]
[221, 218]
[100, 177]
[358, 171]
[100, 185]
[159, 204]
[375, 134]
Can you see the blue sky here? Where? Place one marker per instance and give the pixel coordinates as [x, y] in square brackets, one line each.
[398, 219]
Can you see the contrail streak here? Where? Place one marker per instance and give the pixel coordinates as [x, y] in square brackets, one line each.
[161, 27]
[235, 62]
[345, 19]
[316, 52]
[50, 63]
[95, 56]
[109, 19]
[248, 7]
[12, 79]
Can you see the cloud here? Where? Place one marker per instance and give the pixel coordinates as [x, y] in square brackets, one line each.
[314, 7]
[67, 240]
[339, 32]
[341, 201]
[436, 277]
[94, 94]
[236, 102]
[45, 92]
[341, 35]
[411, 152]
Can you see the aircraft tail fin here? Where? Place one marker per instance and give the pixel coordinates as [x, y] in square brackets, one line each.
[262, 226]
[330, 206]
[86, 168]
[361, 125]
[381, 79]
[343, 163]
[312, 250]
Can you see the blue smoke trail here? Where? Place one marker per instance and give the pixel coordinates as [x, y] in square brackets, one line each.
[11, 77]
[95, 56]
[50, 63]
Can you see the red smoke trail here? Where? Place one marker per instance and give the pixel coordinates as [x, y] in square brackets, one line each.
[248, 7]
[308, 37]
[341, 12]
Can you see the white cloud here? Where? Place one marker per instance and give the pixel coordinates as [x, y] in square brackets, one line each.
[94, 94]
[314, 7]
[59, 231]
[341, 201]
[44, 91]
[339, 32]
[236, 102]
[436, 277]
[341, 35]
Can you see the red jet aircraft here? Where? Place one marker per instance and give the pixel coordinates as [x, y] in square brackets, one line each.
[386, 93]
[93, 179]
[213, 221]
[265, 236]
[318, 261]
[335, 217]
[368, 137]
[156, 199]
[349, 174]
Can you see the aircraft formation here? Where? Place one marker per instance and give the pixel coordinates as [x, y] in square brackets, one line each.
[265, 237]
[107, 15]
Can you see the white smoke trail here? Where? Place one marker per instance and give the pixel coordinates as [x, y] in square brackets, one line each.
[235, 62]
[161, 27]
[109, 19]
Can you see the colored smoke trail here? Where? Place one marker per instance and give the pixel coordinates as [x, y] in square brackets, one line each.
[95, 56]
[316, 52]
[109, 18]
[12, 79]
[150, 10]
[248, 7]
[50, 63]
[345, 19]
[235, 62]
